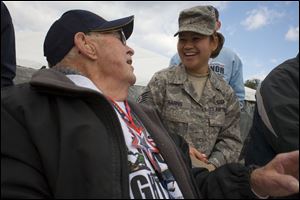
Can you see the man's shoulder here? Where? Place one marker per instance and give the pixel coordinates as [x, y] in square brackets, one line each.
[227, 53]
[217, 80]
[17, 95]
[15, 90]
[285, 73]
[169, 70]
[220, 84]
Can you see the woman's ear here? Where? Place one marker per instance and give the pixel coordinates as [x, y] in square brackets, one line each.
[216, 45]
[215, 42]
[85, 45]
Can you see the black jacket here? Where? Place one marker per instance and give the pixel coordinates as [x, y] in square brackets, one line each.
[8, 52]
[275, 126]
[59, 140]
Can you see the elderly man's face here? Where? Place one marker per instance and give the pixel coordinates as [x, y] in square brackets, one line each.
[115, 57]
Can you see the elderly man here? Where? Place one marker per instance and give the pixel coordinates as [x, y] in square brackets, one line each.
[71, 133]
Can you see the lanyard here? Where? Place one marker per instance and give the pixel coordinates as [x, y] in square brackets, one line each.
[127, 117]
[140, 140]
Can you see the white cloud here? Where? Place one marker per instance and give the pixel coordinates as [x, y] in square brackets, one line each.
[231, 29]
[155, 22]
[288, 2]
[274, 60]
[255, 63]
[260, 75]
[29, 46]
[258, 18]
[167, 43]
[32, 15]
[292, 34]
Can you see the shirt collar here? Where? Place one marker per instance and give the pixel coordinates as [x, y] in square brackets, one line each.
[83, 81]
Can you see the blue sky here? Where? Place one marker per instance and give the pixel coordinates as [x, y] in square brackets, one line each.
[262, 33]
[258, 32]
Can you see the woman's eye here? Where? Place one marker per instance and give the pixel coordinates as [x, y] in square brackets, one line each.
[196, 38]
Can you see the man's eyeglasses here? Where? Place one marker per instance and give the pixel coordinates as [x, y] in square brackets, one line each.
[118, 34]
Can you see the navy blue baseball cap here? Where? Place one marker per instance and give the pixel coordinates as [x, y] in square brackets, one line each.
[60, 37]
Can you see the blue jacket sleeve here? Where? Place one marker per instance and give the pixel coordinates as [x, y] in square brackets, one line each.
[175, 60]
[236, 81]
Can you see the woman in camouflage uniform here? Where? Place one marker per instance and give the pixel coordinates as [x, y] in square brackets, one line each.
[192, 100]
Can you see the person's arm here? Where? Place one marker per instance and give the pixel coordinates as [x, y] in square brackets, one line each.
[197, 154]
[154, 93]
[230, 181]
[175, 60]
[8, 52]
[21, 171]
[237, 81]
[281, 117]
[229, 143]
[280, 177]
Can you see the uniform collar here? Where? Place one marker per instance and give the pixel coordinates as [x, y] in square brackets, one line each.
[180, 77]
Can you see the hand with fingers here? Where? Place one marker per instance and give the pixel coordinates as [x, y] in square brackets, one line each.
[200, 159]
[280, 177]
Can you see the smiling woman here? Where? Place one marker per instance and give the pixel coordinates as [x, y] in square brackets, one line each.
[192, 100]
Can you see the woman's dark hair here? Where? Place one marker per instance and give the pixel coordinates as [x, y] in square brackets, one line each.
[221, 41]
[216, 14]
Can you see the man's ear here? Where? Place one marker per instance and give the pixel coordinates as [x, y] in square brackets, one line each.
[85, 45]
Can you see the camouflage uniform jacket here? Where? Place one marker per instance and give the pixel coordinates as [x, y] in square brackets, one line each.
[209, 123]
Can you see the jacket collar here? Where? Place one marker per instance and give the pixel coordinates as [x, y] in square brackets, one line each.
[55, 82]
[180, 75]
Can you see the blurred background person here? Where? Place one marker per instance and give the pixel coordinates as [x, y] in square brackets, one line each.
[8, 52]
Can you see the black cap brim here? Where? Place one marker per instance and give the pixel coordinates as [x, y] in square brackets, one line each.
[126, 24]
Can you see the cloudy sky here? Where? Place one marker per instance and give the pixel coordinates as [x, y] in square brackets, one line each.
[263, 34]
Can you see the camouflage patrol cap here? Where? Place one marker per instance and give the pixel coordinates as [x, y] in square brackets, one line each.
[199, 19]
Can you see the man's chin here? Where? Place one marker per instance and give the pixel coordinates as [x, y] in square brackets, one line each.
[132, 81]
